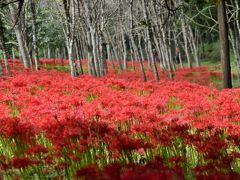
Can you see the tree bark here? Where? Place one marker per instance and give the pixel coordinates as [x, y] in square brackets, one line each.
[13, 53]
[193, 44]
[110, 57]
[125, 65]
[224, 44]
[20, 38]
[149, 43]
[3, 46]
[79, 62]
[48, 52]
[34, 35]
[69, 9]
[184, 30]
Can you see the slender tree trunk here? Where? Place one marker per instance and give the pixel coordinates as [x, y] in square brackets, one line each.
[3, 46]
[180, 58]
[224, 44]
[71, 59]
[76, 52]
[125, 66]
[193, 44]
[133, 52]
[185, 35]
[150, 65]
[6, 64]
[172, 48]
[20, 38]
[149, 43]
[104, 59]
[110, 56]
[34, 35]
[13, 53]
[48, 52]
[94, 48]
[45, 53]
[91, 64]
[79, 62]
[69, 8]
[141, 59]
[1, 69]
[157, 35]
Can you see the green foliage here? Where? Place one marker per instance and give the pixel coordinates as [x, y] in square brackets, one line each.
[91, 97]
[173, 103]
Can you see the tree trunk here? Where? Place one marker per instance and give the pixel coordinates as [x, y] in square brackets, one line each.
[69, 8]
[71, 59]
[34, 35]
[185, 35]
[13, 53]
[224, 44]
[79, 63]
[48, 52]
[91, 65]
[45, 53]
[141, 59]
[20, 38]
[133, 53]
[110, 56]
[125, 66]
[104, 58]
[94, 49]
[193, 44]
[1, 70]
[3, 46]
[149, 43]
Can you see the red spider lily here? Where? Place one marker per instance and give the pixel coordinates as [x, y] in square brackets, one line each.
[88, 172]
[21, 162]
[154, 170]
[112, 171]
[218, 175]
[124, 115]
[124, 143]
[14, 127]
[37, 149]
[3, 163]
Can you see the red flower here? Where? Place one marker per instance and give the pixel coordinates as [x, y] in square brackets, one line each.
[21, 162]
[88, 172]
[37, 149]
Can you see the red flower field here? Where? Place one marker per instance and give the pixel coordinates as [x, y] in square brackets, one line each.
[117, 127]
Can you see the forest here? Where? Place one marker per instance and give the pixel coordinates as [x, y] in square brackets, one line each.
[119, 89]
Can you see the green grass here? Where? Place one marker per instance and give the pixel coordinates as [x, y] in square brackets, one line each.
[216, 66]
[91, 97]
[62, 68]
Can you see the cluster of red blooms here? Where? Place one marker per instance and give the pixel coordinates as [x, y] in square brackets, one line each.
[117, 127]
